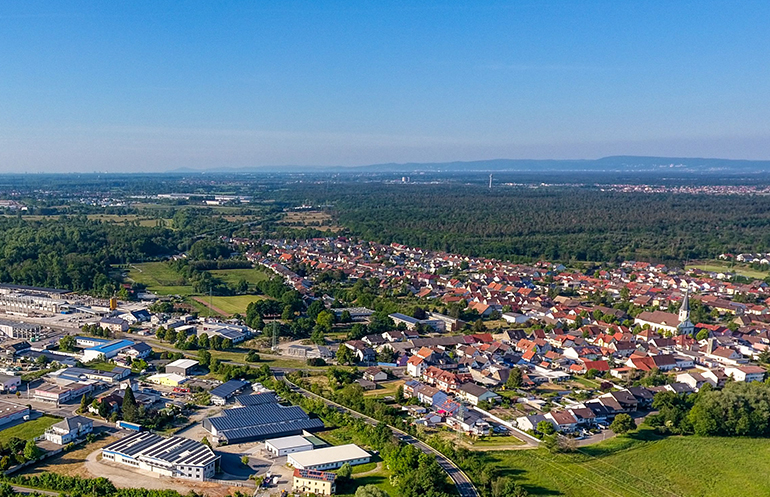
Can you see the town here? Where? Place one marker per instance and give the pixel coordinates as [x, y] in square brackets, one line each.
[445, 349]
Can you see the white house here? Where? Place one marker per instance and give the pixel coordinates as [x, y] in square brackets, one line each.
[69, 429]
[746, 373]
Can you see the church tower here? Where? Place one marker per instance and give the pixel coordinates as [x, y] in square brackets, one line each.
[685, 325]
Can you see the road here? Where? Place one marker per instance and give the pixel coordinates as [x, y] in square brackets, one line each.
[464, 485]
[25, 490]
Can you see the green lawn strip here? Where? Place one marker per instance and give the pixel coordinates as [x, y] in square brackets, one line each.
[233, 276]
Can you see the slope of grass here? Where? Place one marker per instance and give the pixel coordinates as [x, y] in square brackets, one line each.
[644, 465]
[233, 276]
[739, 269]
[159, 278]
[29, 429]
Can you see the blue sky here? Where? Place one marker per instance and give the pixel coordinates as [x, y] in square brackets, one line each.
[153, 86]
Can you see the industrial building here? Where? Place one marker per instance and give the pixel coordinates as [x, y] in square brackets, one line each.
[63, 393]
[256, 399]
[234, 332]
[288, 445]
[13, 329]
[308, 481]
[9, 383]
[329, 457]
[174, 456]
[260, 422]
[109, 350]
[182, 367]
[221, 394]
[11, 412]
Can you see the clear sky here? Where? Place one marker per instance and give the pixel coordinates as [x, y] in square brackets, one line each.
[153, 86]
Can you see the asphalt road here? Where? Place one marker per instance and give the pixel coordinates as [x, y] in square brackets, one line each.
[464, 485]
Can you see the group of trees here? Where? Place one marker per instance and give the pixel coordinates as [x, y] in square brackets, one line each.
[738, 409]
[17, 451]
[85, 487]
[192, 342]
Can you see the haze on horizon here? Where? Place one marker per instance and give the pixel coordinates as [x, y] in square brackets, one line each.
[155, 86]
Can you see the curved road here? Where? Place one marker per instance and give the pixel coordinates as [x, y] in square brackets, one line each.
[464, 485]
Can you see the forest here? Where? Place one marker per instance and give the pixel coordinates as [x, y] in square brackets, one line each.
[555, 223]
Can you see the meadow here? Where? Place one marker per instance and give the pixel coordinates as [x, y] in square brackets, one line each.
[29, 429]
[644, 465]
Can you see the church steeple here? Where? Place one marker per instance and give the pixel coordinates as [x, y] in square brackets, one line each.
[685, 325]
[684, 310]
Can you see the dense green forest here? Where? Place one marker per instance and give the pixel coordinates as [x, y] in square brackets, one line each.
[556, 223]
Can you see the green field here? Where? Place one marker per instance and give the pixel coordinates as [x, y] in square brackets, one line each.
[234, 304]
[233, 276]
[29, 429]
[159, 278]
[644, 466]
[739, 269]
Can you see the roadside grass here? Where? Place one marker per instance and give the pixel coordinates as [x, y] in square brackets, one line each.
[643, 465]
[28, 429]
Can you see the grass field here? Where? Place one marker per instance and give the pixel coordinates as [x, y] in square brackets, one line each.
[739, 269]
[233, 276]
[644, 465]
[234, 304]
[384, 389]
[159, 278]
[29, 429]
[69, 463]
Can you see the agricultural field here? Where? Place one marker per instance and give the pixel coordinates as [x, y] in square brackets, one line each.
[644, 465]
[309, 219]
[28, 429]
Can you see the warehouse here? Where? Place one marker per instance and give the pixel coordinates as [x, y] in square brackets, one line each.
[329, 457]
[13, 329]
[221, 394]
[181, 367]
[9, 383]
[174, 456]
[256, 399]
[108, 350]
[287, 445]
[260, 422]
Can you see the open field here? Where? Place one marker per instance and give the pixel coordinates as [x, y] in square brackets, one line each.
[230, 305]
[739, 269]
[69, 463]
[233, 276]
[159, 278]
[29, 429]
[644, 465]
[384, 389]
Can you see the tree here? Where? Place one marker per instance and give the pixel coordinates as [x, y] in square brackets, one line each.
[400, 394]
[370, 491]
[205, 441]
[41, 360]
[130, 408]
[515, 379]
[546, 427]
[315, 308]
[67, 343]
[702, 334]
[623, 423]
[31, 451]
[204, 357]
[325, 321]
[83, 404]
[345, 471]
[245, 460]
[591, 373]
[507, 487]
[345, 355]
[252, 356]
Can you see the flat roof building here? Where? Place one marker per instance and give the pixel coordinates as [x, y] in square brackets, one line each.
[221, 394]
[174, 456]
[181, 367]
[260, 422]
[287, 445]
[329, 457]
[14, 329]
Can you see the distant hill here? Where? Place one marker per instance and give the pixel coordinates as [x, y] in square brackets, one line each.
[619, 163]
[613, 163]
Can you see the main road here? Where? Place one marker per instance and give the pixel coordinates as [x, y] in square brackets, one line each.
[464, 485]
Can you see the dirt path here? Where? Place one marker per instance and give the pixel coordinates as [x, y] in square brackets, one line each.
[375, 470]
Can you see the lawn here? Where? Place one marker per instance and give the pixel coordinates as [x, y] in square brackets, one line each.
[233, 276]
[159, 278]
[644, 465]
[384, 389]
[739, 269]
[29, 429]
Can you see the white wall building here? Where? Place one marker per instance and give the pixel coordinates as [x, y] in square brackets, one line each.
[329, 457]
[288, 445]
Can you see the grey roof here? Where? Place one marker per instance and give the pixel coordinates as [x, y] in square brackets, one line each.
[268, 420]
[225, 390]
[172, 450]
[257, 399]
[73, 423]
